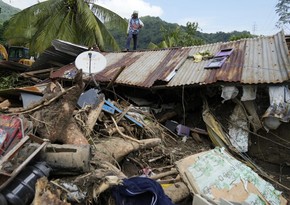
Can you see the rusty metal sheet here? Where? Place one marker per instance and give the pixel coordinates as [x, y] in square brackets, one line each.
[258, 60]
[254, 61]
[14, 93]
[67, 71]
[139, 67]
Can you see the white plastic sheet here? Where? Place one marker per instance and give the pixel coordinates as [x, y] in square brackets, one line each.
[238, 127]
[279, 109]
[249, 92]
[229, 92]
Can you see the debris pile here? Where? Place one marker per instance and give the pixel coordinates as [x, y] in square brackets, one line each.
[71, 141]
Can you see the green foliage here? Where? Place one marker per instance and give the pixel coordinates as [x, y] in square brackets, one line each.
[163, 44]
[8, 81]
[70, 20]
[241, 36]
[2, 29]
[219, 36]
[190, 38]
[152, 46]
[180, 36]
[282, 9]
[152, 31]
[156, 34]
[171, 37]
[6, 12]
[151, 36]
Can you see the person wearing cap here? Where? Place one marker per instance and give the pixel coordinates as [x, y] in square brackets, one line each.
[134, 26]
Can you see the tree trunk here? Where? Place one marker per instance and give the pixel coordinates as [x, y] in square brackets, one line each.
[54, 121]
[177, 192]
[115, 148]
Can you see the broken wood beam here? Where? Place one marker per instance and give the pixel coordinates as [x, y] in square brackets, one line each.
[156, 158]
[199, 131]
[177, 192]
[123, 114]
[115, 148]
[94, 114]
[116, 76]
[164, 174]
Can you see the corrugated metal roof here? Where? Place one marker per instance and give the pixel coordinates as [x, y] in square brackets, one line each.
[142, 68]
[253, 61]
[59, 54]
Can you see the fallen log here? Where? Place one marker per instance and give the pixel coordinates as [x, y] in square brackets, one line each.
[164, 174]
[177, 192]
[115, 148]
[73, 135]
[55, 120]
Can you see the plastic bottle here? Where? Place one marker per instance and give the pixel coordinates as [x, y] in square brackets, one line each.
[21, 190]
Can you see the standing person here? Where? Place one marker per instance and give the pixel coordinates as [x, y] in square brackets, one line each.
[134, 25]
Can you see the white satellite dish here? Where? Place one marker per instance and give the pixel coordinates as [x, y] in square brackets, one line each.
[91, 62]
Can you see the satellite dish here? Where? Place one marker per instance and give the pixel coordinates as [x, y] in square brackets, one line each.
[91, 62]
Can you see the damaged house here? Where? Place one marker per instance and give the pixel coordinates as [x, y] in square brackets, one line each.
[217, 122]
[244, 82]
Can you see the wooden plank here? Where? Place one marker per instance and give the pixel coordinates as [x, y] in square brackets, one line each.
[24, 163]
[7, 156]
[94, 114]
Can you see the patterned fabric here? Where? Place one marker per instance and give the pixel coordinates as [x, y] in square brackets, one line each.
[134, 25]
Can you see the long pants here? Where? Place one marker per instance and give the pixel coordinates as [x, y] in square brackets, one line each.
[130, 36]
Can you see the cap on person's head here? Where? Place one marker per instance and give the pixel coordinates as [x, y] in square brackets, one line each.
[135, 12]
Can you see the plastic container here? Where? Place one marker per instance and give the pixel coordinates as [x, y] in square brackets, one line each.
[21, 190]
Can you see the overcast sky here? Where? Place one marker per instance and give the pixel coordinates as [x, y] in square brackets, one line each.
[257, 16]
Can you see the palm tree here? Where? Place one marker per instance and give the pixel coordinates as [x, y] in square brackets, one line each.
[76, 21]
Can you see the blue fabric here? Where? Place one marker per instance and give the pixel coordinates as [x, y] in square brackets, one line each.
[128, 42]
[140, 191]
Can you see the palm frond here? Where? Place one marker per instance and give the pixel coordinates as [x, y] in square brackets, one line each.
[96, 32]
[48, 29]
[107, 16]
[163, 44]
[110, 42]
[152, 46]
[56, 19]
